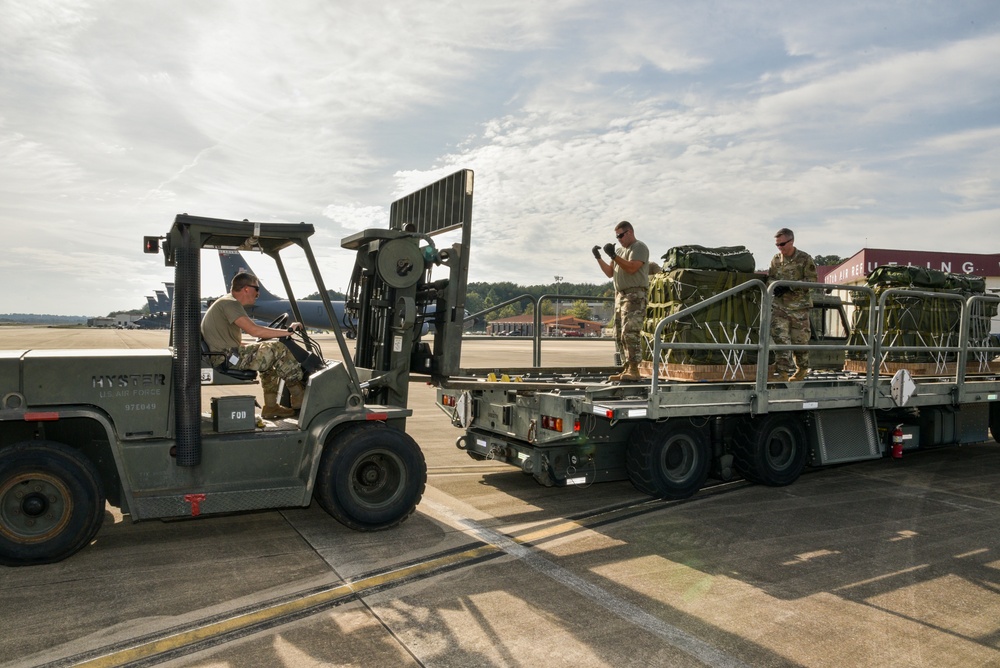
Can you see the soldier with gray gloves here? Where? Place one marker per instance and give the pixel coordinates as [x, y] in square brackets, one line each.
[628, 268]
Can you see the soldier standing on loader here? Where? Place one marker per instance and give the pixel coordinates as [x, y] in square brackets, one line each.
[222, 329]
[629, 270]
[790, 315]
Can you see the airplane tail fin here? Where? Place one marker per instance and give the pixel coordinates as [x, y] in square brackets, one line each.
[233, 262]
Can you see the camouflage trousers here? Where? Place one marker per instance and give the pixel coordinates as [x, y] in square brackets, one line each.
[630, 312]
[273, 361]
[790, 327]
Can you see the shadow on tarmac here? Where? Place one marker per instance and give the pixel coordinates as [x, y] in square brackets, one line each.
[850, 562]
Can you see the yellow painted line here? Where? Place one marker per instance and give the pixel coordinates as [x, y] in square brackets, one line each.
[343, 591]
[271, 613]
[550, 532]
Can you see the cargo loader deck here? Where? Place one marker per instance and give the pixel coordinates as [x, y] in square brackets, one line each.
[571, 426]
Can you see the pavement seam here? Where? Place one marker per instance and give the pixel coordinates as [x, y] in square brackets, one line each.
[630, 612]
[202, 634]
[172, 643]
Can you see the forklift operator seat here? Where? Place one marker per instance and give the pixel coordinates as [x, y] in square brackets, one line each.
[237, 375]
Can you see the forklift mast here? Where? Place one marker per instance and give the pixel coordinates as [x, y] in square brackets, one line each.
[395, 297]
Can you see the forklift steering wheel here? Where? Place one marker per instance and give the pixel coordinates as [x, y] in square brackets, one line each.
[281, 322]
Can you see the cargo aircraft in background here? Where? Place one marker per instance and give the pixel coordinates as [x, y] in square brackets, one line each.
[159, 310]
[269, 306]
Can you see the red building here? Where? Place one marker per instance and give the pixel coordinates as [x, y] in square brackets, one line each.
[856, 269]
[524, 325]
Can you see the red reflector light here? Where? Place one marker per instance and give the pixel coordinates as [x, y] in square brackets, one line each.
[378, 417]
[34, 417]
[576, 425]
[552, 423]
[447, 400]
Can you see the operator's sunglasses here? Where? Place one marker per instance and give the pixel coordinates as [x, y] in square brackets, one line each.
[255, 287]
[620, 235]
[782, 243]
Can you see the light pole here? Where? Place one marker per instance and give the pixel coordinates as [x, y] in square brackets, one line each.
[558, 279]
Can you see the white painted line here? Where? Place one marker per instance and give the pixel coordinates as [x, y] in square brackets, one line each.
[630, 612]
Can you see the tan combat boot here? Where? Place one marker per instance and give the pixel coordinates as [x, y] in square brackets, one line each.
[629, 373]
[780, 377]
[273, 410]
[295, 391]
[800, 374]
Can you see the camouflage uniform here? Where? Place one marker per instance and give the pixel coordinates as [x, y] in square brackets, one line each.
[271, 359]
[630, 302]
[630, 311]
[790, 314]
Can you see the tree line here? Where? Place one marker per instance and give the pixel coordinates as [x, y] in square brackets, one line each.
[481, 296]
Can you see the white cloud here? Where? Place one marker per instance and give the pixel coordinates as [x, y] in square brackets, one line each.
[711, 124]
[898, 87]
[356, 218]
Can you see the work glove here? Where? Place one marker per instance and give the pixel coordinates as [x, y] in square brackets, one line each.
[597, 252]
[609, 249]
[781, 290]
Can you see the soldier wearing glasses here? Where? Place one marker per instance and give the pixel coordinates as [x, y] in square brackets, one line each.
[222, 329]
[790, 313]
[628, 267]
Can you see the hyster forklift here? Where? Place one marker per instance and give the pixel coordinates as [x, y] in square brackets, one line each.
[79, 428]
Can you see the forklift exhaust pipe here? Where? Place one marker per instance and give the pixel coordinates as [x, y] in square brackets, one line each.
[187, 350]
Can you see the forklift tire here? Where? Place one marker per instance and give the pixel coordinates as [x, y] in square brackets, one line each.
[51, 502]
[370, 477]
[668, 460]
[770, 449]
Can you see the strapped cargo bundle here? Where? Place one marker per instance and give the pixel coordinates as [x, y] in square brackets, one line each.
[723, 258]
[925, 322]
[734, 320]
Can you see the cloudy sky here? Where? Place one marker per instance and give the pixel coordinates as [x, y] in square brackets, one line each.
[857, 123]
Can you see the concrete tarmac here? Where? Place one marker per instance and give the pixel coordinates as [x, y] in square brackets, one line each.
[889, 563]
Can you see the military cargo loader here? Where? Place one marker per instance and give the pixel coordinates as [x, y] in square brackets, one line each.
[571, 427]
[82, 427]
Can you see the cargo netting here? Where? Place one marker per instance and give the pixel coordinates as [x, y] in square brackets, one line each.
[733, 320]
[927, 322]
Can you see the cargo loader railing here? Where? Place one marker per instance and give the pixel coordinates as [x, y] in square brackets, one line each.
[873, 336]
[764, 346]
[536, 334]
[961, 348]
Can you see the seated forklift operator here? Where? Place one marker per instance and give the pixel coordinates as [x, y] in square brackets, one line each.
[222, 329]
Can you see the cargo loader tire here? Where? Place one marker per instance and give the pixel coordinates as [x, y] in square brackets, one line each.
[371, 477]
[668, 460]
[51, 502]
[770, 449]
